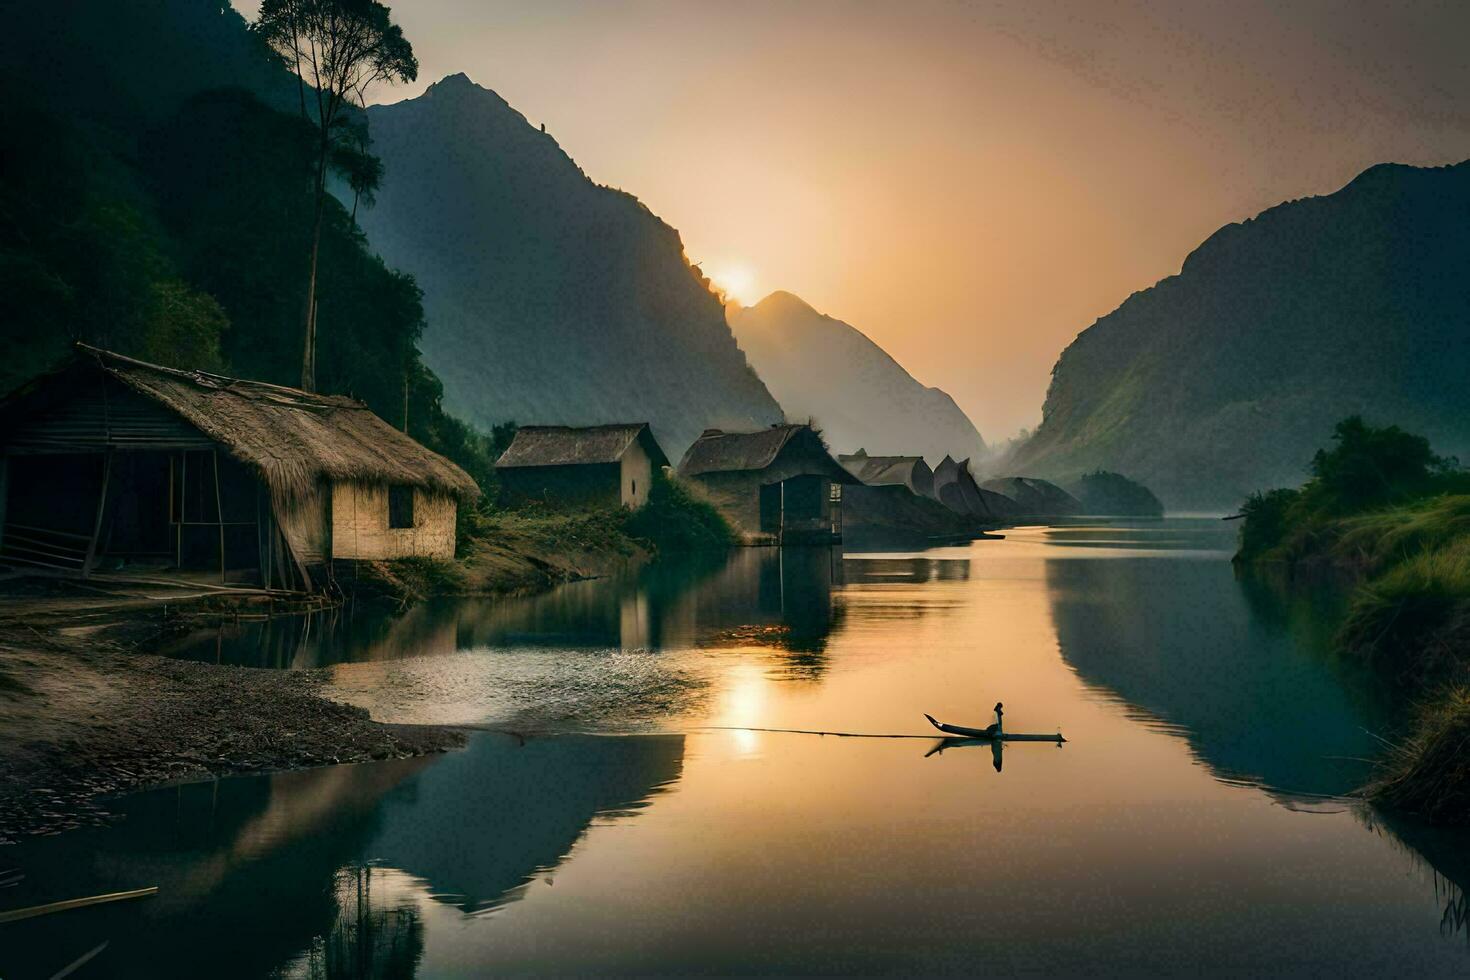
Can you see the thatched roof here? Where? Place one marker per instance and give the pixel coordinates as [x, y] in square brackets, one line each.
[1035, 496]
[291, 437]
[562, 445]
[717, 451]
[881, 471]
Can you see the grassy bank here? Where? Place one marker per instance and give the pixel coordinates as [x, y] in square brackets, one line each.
[1382, 508]
[533, 547]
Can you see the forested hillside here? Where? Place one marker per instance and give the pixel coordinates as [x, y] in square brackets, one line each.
[160, 204]
[551, 299]
[1221, 380]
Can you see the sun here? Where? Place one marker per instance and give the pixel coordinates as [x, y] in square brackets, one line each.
[737, 281]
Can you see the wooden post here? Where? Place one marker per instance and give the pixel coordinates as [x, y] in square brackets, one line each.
[183, 506]
[101, 506]
[219, 515]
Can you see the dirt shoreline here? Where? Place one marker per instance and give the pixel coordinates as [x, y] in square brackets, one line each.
[85, 715]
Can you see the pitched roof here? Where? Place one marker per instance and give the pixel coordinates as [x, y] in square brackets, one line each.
[717, 451]
[885, 470]
[563, 445]
[293, 438]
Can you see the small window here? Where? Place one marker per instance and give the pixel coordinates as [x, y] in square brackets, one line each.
[834, 494]
[635, 487]
[400, 507]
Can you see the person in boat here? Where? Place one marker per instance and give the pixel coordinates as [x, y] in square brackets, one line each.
[996, 730]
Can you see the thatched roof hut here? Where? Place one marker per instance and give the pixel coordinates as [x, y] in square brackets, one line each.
[883, 471]
[294, 439]
[565, 445]
[149, 455]
[1034, 496]
[778, 482]
[597, 464]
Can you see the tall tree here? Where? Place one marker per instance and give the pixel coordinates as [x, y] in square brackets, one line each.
[337, 48]
[352, 159]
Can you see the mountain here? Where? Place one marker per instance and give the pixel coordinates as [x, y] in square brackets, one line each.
[1225, 378]
[861, 398]
[550, 299]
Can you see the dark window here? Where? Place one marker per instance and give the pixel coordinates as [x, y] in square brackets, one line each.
[400, 506]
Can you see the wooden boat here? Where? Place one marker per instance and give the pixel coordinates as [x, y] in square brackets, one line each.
[989, 734]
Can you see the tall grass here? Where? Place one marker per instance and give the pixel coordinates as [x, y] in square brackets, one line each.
[1428, 774]
[1414, 618]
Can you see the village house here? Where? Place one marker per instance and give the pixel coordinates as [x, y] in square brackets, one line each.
[113, 466]
[955, 487]
[885, 471]
[599, 464]
[779, 482]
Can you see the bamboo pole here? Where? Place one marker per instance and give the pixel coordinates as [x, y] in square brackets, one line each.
[16, 915]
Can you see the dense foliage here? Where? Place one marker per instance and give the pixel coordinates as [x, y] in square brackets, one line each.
[1104, 492]
[674, 519]
[1384, 506]
[1366, 469]
[168, 215]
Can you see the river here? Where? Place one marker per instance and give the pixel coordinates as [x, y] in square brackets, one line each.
[638, 821]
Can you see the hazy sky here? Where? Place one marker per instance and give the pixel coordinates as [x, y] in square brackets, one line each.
[970, 184]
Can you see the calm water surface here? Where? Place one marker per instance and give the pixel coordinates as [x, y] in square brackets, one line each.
[638, 824]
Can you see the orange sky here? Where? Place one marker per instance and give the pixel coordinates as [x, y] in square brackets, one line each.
[969, 184]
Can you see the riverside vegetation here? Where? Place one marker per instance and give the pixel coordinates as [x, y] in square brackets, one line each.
[1382, 507]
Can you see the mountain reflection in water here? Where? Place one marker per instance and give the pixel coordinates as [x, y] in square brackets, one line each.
[1154, 841]
[1188, 645]
[325, 870]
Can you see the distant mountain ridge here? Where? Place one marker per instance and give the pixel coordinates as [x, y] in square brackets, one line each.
[550, 299]
[822, 368]
[1225, 378]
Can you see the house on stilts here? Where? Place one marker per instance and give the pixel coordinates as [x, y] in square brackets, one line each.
[113, 466]
[777, 484]
[596, 464]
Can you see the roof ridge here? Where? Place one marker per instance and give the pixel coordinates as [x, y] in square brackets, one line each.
[220, 380]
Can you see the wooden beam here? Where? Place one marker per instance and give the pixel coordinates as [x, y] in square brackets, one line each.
[101, 506]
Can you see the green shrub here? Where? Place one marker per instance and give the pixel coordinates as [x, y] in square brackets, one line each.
[1266, 522]
[674, 520]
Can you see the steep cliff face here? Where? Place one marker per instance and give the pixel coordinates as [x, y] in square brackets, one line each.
[550, 299]
[1224, 379]
[861, 398]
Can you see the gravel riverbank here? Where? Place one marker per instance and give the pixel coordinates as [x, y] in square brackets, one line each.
[85, 715]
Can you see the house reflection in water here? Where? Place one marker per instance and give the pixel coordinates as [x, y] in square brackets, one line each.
[327, 871]
[774, 597]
